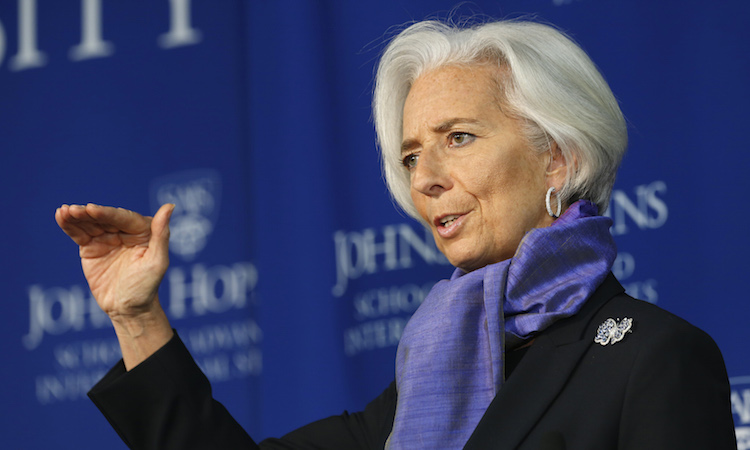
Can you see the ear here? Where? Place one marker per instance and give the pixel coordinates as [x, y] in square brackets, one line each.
[557, 169]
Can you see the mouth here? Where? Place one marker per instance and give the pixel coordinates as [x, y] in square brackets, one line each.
[447, 221]
[448, 226]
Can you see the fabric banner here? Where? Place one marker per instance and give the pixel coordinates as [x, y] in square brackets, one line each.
[291, 273]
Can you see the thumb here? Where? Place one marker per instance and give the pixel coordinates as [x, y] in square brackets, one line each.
[159, 242]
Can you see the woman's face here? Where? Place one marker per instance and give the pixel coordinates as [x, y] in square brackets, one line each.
[474, 178]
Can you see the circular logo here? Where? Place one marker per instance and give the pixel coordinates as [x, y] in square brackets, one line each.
[196, 195]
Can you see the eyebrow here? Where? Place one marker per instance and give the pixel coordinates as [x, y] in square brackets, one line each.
[410, 144]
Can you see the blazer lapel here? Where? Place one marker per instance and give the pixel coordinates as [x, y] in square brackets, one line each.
[539, 377]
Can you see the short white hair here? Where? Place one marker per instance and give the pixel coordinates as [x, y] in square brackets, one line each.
[546, 80]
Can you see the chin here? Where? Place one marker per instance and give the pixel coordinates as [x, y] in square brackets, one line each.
[470, 262]
[465, 263]
[462, 256]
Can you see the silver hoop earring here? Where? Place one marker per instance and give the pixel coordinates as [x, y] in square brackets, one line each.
[559, 203]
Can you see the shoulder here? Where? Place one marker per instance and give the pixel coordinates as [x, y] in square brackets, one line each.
[654, 335]
[650, 325]
[657, 338]
[649, 321]
[674, 379]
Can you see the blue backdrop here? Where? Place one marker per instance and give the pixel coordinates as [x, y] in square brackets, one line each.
[291, 272]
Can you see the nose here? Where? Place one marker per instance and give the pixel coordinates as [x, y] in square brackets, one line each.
[430, 176]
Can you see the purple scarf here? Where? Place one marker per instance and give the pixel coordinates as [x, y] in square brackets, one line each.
[449, 363]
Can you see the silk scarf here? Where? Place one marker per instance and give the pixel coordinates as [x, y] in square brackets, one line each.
[449, 362]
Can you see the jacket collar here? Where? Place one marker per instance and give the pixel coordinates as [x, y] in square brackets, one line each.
[544, 370]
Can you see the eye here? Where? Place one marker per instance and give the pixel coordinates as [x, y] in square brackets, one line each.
[459, 139]
[410, 160]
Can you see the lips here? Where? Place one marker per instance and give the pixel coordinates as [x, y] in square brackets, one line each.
[448, 225]
[448, 220]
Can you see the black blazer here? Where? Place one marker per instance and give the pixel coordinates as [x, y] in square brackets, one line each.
[664, 386]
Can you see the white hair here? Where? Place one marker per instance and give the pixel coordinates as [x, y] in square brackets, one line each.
[547, 81]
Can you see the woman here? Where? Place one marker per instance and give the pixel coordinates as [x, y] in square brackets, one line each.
[504, 140]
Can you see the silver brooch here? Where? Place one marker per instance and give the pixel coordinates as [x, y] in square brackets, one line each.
[611, 332]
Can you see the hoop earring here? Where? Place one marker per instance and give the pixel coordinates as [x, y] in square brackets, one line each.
[549, 208]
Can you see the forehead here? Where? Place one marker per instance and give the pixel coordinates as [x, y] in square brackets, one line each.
[452, 91]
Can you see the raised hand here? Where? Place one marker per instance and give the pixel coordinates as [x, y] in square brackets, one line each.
[124, 256]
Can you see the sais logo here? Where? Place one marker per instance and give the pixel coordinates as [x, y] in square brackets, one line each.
[741, 410]
[197, 196]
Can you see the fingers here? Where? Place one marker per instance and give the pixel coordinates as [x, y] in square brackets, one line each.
[82, 223]
[116, 219]
[80, 216]
[159, 242]
[70, 225]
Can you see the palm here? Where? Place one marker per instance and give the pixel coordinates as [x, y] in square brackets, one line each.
[122, 262]
[114, 267]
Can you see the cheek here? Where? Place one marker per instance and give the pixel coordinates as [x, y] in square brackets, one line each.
[513, 194]
[524, 177]
[418, 200]
[493, 180]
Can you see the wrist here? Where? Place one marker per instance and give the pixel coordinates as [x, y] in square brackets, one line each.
[136, 324]
[142, 334]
